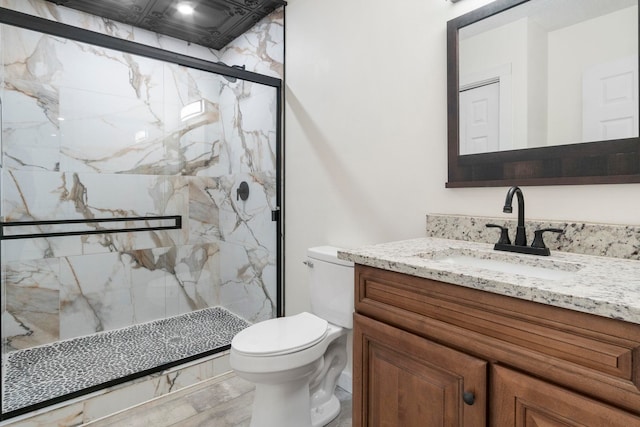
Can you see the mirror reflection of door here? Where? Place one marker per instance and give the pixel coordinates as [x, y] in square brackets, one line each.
[559, 52]
[610, 100]
[480, 119]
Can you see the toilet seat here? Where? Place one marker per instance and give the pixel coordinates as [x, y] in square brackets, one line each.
[283, 335]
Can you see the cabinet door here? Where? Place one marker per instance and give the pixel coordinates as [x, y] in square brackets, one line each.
[401, 379]
[523, 401]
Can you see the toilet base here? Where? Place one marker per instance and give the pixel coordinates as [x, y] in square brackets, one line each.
[323, 414]
[282, 405]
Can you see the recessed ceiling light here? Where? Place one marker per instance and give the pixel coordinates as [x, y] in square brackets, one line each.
[185, 8]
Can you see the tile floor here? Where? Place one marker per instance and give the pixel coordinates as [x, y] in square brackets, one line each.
[223, 401]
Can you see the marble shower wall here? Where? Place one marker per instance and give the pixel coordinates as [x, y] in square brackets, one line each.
[94, 133]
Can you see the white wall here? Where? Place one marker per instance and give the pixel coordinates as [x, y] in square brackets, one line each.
[366, 139]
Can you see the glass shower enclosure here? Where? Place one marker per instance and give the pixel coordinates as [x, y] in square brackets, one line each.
[139, 198]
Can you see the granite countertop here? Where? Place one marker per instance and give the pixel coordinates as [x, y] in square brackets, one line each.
[604, 286]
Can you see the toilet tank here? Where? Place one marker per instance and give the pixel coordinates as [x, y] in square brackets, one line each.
[330, 285]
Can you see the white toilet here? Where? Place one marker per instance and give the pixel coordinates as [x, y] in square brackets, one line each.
[295, 361]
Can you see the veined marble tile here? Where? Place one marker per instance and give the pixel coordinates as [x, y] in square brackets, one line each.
[30, 140]
[247, 221]
[29, 249]
[197, 144]
[618, 241]
[248, 281]
[176, 280]
[260, 48]
[136, 287]
[197, 278]
[70, 415]
[29, 57]
[217, 212]
[133, 126]
[247, 224]
[250, 137]
[29, 195]
[111, 134]
[204, 210]
[49, 195]
[30, 297]
[184, 85]
[96, 294]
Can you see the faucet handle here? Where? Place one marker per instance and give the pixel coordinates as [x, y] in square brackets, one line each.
[504, 234]
[538, 241]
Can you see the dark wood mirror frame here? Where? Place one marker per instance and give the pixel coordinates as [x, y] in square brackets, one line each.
[603, 162]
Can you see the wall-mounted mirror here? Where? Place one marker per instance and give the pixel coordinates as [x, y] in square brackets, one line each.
[544, 92]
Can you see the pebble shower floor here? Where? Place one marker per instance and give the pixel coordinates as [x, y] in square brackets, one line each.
[38, 374]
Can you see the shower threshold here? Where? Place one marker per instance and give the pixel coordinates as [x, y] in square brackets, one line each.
[41, 376]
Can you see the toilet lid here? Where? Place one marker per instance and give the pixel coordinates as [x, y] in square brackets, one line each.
[282, 335]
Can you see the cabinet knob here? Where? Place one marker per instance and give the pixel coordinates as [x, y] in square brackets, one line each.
[468, 398]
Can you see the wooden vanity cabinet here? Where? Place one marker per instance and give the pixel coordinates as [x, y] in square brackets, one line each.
[413, 382]
[428, 353]
[521, 400]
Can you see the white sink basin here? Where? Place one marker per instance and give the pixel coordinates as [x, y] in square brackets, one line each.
[522, 265]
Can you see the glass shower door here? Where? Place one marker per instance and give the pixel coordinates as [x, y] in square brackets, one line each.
[93, 133]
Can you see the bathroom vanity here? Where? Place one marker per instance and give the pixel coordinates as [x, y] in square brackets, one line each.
[451, 333]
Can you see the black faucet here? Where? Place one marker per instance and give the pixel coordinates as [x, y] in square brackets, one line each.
[521, 233]
[520, 244]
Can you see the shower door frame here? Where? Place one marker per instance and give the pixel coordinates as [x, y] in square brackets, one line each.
[53, 28]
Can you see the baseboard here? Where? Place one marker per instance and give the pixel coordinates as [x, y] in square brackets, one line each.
[345, 381]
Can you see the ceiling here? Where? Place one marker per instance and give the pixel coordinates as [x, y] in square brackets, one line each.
[213, 24]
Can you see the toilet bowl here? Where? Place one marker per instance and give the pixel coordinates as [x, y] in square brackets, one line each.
[295, 361]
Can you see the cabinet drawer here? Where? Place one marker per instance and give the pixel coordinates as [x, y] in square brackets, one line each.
[518, 400]
[568, 346]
